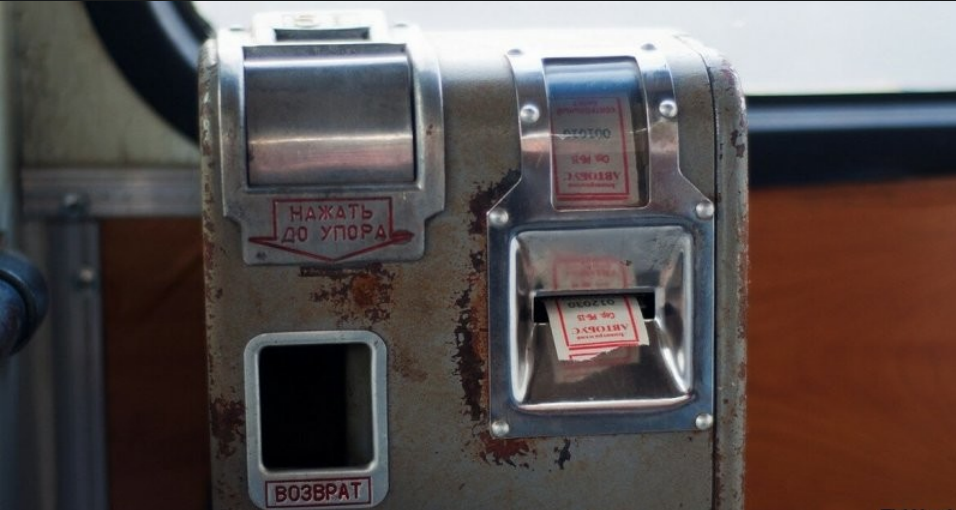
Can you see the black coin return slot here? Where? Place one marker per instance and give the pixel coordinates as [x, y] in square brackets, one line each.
[315, 406]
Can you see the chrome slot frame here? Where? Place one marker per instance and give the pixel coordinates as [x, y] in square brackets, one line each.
[673, 204]
[374, 475]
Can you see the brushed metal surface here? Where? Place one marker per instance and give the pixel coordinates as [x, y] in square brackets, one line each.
[323, 117]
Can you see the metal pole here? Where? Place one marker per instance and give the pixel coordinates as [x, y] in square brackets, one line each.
[9, 373]
[77, 334]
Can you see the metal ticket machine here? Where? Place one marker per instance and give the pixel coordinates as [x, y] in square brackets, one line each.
[472, 270]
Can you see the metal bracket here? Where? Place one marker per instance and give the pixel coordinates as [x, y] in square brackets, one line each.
[527, 216]
[326, 221]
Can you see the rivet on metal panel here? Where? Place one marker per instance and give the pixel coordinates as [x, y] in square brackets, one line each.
[530, 114]
[498, 217]
[75, 204]
[704, 421]
[85, 278]
[705, 210]
[668, 108]
[500, 428]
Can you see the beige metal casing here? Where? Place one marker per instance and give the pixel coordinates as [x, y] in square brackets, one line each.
[433, 313]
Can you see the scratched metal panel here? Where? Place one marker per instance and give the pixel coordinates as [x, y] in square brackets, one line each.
[433, 316]
[731, 292]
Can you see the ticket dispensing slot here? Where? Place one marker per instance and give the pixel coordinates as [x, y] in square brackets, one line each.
[614, 332]
[608, 322]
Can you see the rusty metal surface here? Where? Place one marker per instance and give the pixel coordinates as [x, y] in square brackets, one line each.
[433, 316]
[733, 262]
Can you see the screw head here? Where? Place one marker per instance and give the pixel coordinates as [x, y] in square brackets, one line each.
[500, 428]
[529, 114]
[85, 277]
[515, 52]
[705, 210]
[648, 47]
[704, 421]
[74, 204]
[498, 217]
[668, 108]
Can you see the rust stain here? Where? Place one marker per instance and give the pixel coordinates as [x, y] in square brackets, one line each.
[210, 363]
[719, 486]
[472, 349]
[471, 339]
[208, 255]
[407, 366]
[486, 197]
[228, 419]
[728, 450]
[365, 290]
[354, 294]
[208, 263]
[208, 224]
[564, 454]
[504, 451]
[739, 146]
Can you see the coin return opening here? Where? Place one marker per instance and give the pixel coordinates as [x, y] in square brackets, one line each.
[315, 405]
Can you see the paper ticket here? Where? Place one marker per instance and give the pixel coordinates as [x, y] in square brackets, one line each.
[584, 327]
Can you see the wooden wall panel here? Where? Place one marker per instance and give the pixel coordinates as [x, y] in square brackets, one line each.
[853, 348]
[158, 435]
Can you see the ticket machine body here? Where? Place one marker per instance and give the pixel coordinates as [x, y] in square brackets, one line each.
[472, 270]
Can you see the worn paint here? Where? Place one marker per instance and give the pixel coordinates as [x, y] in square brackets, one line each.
[739, 146]
[207, 144]
[564, 454]
[504, 451]
[404, 362]
[354, 294]
[484, 198]
[471, 338]
[227, 418]
[731, 298]
[470, 357]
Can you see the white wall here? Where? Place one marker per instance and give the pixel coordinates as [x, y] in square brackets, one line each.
[778, 47]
